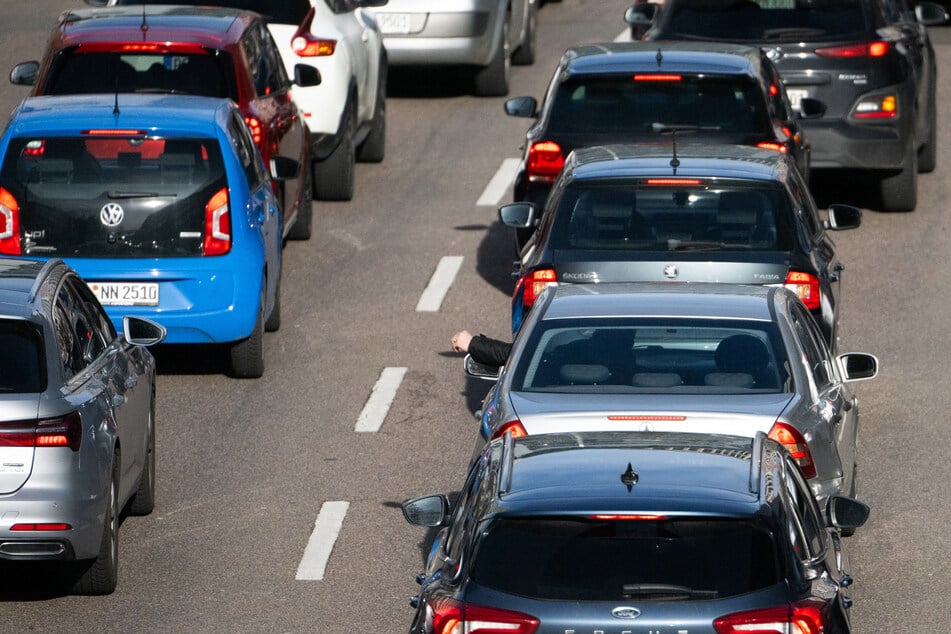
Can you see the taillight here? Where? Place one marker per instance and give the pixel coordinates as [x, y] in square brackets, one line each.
[806, 286]
[535, 283]
[627, 517]
[876, 107]
[513, 427]
[303, 42]
[456, 617]
[217, 224]
[666, 182]
[66, 431]
[804, 617]
[794, 442]
[256, 130]
[9, 224]
[773, 145]
[545, 161]
[863, 49]
[41, 527]
[657, 77]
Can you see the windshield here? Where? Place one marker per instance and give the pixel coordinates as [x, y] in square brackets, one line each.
[22, 367]
[653, 355]
[112, 196]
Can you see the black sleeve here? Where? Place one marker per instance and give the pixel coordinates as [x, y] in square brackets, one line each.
[489, 351]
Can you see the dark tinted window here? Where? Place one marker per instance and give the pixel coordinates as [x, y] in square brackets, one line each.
[643, 217]
[248, 155]
[22, 367]
[113, 196]
[604, 104]
[282, 12]
[573, 559]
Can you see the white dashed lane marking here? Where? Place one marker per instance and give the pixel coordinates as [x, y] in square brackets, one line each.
[378, 405]
[439, 284]
[321, 544]
[500, 183]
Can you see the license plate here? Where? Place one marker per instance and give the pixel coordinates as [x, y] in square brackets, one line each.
[398, 23]
[795, 96]
[126, 293]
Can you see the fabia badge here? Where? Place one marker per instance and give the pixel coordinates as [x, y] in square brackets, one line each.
[111, 214]
[625, 612]
[671, 271]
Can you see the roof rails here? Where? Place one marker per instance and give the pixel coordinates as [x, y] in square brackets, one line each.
[756, 462]
[44, 272]
[508, 462]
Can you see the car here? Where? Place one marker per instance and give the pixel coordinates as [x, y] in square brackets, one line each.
[346, 112]
[870, 61]
[629, 92]
[161, 202]
[692, 357]
[671, 212]
[77, 422]
[487, 36]
[187, 50]
[617, 532]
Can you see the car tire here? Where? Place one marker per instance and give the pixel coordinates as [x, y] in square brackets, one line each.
[899, 191]
[101, 575]
[493, 80]
[305, 210]
[273, 322]
[525, 55]
[333, 176]
[928, 154]
[247, 355]
[374, 146]
[143, 502]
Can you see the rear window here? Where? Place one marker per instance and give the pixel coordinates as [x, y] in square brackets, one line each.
[282, 12]
[767, 20]
[577, 559]
[609, 103]
[644, 217]
[112, 196]
[22, 367]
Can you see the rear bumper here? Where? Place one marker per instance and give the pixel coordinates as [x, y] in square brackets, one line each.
[458, 38]
[842, 144]
[82, 541]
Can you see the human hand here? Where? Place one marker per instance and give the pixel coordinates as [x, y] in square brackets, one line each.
[460, 341]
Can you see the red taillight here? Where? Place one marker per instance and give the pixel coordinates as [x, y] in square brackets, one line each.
[66, 431]
[41, 527]
[794, 442]
[657, 77]
[513, 427]
[217, 224]
[649, 417]
[34, 149]
[309, 46]
[673, 181]
[863, 49]
[806, 286]
[627, 517]
[9, 224]
[804, 617]
[113, 132]
[876, 107]
[545, 161]
[538, 281]
[773, 145]
[455, 617]
[256, 131]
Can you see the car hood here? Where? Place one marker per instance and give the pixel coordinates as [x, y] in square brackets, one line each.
[16, 463]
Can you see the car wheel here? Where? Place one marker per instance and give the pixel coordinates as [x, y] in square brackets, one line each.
[899, 191]
[525, 55]
[493, 80]
[273, 322]
[374, 146]
[928, 154]
[333, 176]
[102, 573]
[247, 355]
[143, 502]
[305, 210]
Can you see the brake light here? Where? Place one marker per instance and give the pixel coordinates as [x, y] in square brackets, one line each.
[41, 527]
[657, 77]
[864, 49]
[113, 133]
[794, 442]
[66, 431]
[256, 131]
[649, 417]
[545, 161]
[806, 286]
[538, 281]
[217, 224]
[186, 48]
[9, 224]
[773, 90]
[455, 617]
[34, 149]
[804, 617]
[773, 145]
[627, 517]
[878, 107]
[673, 181]
[513, 427]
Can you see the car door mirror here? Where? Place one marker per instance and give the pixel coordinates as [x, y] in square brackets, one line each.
[142, 332]
[846, 513]
[480, 370]
[641, 14]
[284, 168]
[810, 108]
[429, 510]
[931, 14]
[858, 366]
[25, 74]
[843, 217]
[519, 215]
[305, 75]
[521, 107]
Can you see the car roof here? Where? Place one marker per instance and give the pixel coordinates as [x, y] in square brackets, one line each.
[692, 160]
[675, 300]
[611, 472]
[18, 279]
[683, 57]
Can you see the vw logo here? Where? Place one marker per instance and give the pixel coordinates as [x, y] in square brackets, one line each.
[111, 214]
[625, 612]
[671, 271]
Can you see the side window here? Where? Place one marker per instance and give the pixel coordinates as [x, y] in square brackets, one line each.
[251, 161]
[98, 319]
[463, 513]
[817, 355]
[806, 204]
[73, 331]
[805, 528]
[269, 76]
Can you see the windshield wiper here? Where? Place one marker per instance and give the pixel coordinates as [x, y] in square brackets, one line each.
[792, 32]
[704, 245]
[665, 592]
[120, 195]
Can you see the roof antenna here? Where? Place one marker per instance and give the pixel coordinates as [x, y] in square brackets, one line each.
[629, 478]
[660, 57]
[144, 27]
[674, 162]
[115, 108]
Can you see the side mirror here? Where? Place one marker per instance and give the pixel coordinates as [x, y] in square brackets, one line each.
[641, 14]
[284, 168]
[846, 513]
[810, 108]
[479, 370]
[931, 14]
[843, 217]
[305, 75]
[519, 215]
[858, 366]
[429, 510]
[142, 332]
[521, 107]
[25, 74]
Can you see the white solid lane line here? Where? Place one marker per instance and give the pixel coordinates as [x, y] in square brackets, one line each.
[321, 543]
[442, 279]
[625, 36]
[500, 183]
[377, 406]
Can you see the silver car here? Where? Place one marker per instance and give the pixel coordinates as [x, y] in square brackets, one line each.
[77, 422]
[711, 358]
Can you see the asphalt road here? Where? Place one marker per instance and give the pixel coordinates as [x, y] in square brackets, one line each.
[245, 467]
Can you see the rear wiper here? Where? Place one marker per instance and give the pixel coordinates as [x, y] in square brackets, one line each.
[704, 245]
[792, 32]
[665, 592]
[116, 194]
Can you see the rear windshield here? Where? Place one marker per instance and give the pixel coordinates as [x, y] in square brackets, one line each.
[112, 196]
[646, 217]
[605, 104]
[22, 367]
[577, 559]
[766, 20]
[207, 74]
[276, 11]
[677, 356]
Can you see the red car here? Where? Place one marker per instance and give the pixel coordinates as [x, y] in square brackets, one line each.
[186, 50]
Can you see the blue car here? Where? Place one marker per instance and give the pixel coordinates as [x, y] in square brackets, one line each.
[162, 203]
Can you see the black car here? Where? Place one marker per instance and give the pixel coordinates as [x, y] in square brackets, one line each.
[617, 532]
[634, 91]
[669, 213]
[869, 61]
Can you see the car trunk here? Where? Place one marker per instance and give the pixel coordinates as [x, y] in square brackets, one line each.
[17, 431]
